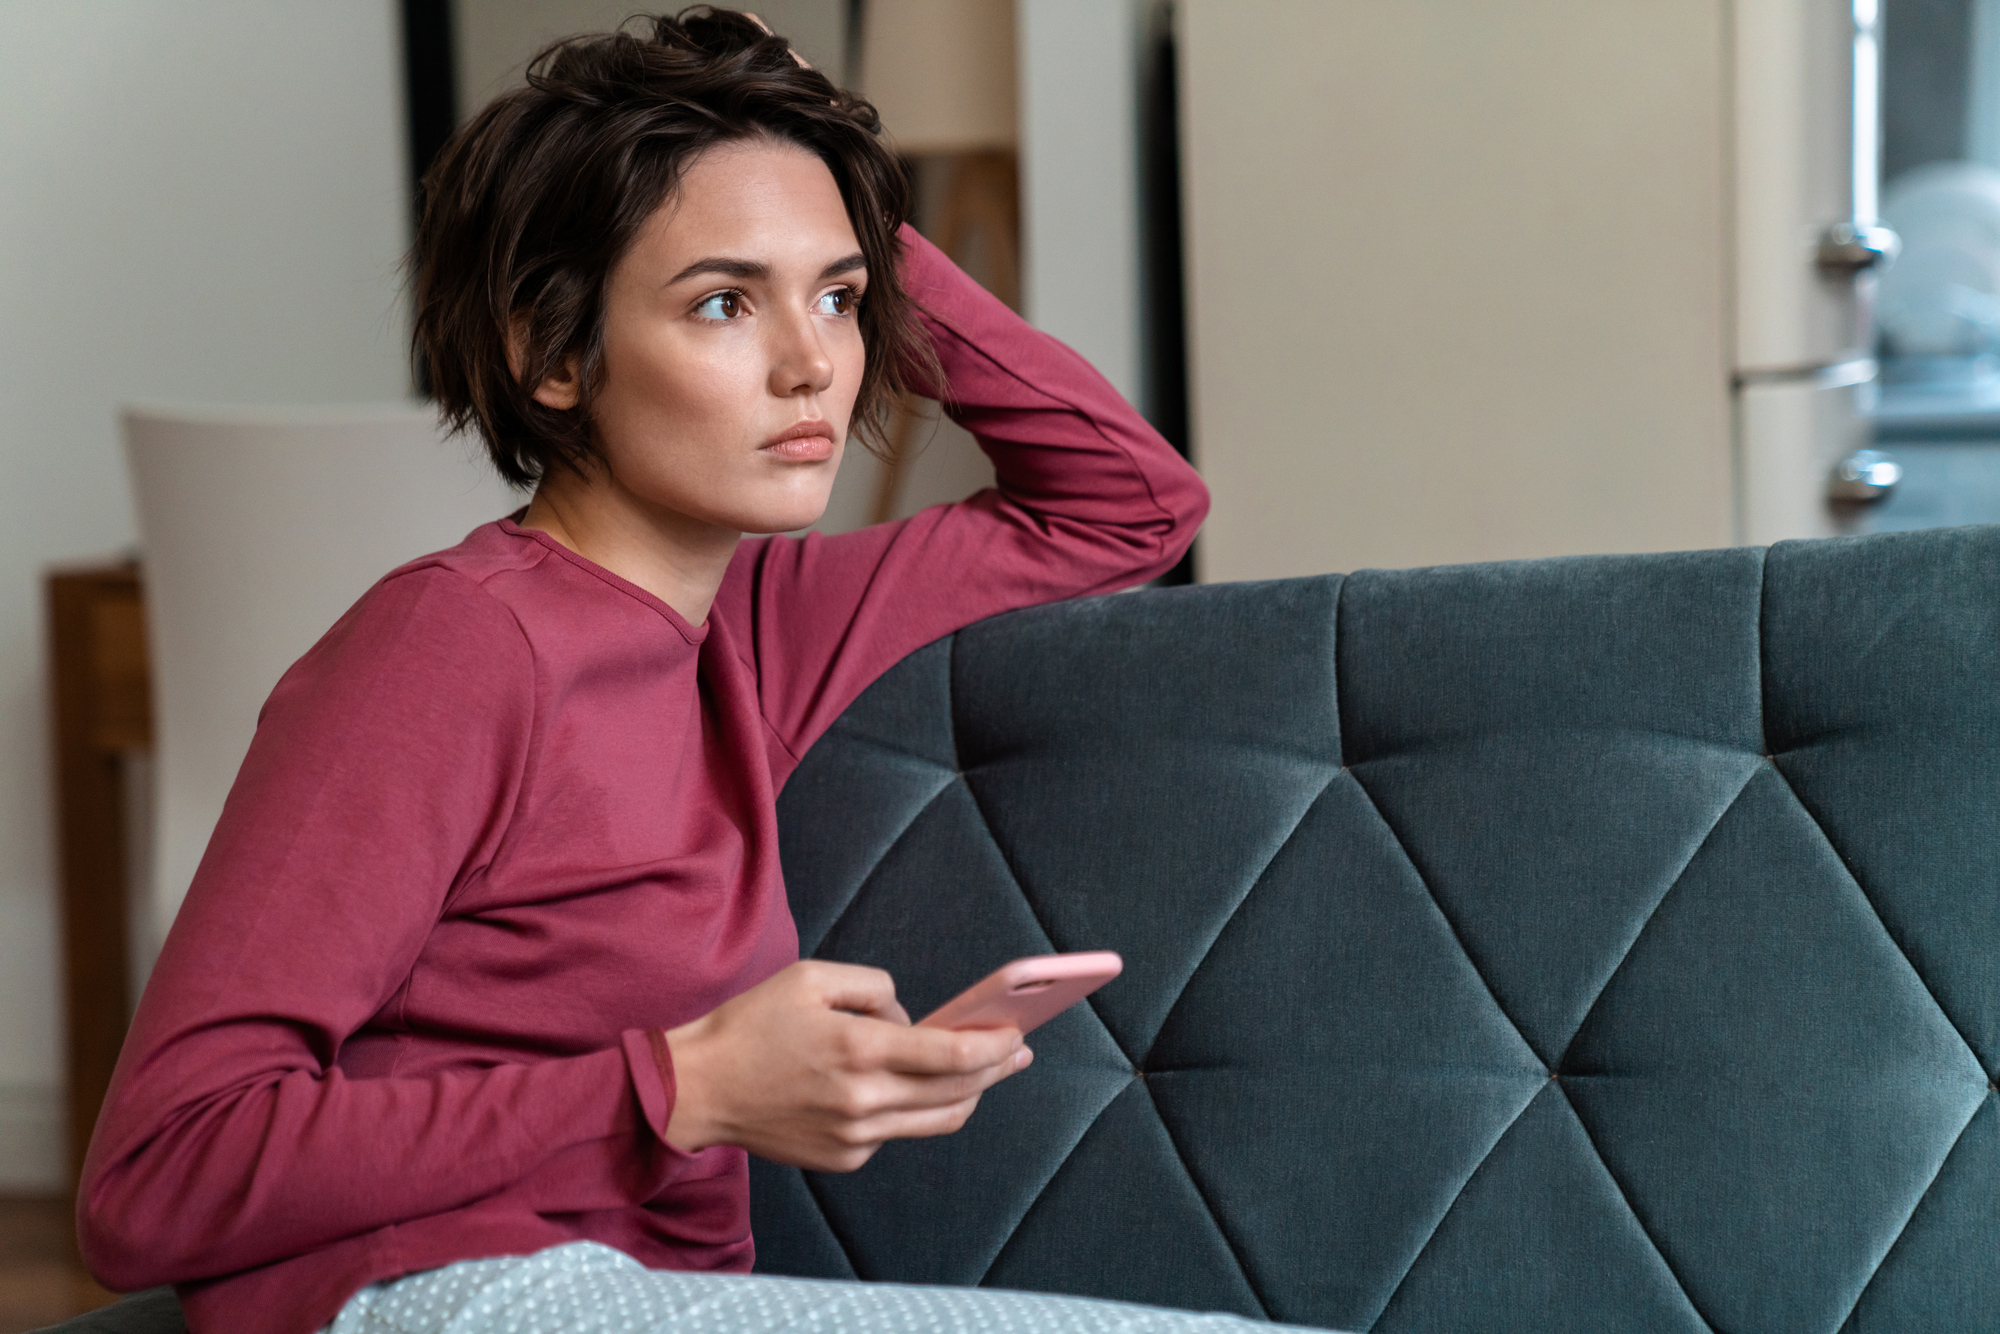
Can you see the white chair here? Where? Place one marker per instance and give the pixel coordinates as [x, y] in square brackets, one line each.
[259, 527]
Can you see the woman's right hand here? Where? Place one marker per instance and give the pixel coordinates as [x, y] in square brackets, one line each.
[817, 1065]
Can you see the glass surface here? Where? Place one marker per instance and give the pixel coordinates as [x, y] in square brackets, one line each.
[1945, 484]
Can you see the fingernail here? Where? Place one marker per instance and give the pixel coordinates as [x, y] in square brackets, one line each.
[1022, 1057]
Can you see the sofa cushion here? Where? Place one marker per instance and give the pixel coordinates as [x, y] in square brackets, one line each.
[1592, 944]
[154, 1311]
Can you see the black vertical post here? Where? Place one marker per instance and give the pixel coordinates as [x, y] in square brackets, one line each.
[1164, 304]
[430, 85]
[430, 95]
[851, 34]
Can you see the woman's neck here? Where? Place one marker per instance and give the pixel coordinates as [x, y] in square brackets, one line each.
[677, 559]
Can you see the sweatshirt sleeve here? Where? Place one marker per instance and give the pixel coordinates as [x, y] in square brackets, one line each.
[1088, 499]
[380, 780]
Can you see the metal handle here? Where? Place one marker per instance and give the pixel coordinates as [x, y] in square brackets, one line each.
[1849, 247]
[1864, 477]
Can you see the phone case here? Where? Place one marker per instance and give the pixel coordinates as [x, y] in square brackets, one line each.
[1027, 992]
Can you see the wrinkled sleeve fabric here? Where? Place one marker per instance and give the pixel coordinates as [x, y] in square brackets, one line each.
[1088, 499]
[381, 778]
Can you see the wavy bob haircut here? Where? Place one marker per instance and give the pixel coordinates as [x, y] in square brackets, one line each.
[533, 202]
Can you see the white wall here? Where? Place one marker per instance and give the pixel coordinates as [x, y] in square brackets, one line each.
[1079, 70]
[200, 200]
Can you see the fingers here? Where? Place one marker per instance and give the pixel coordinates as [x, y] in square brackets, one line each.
[931, 1090]
[884, 1099]
[768, 33]
[851, 987]
[937, 1051]
[818, 1064]
[922, 1123]
[852, 1140]
[893, 1043]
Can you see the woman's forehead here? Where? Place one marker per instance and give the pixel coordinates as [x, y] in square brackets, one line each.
[758, 200]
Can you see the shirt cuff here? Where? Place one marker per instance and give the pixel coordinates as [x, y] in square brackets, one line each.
[651, 1066]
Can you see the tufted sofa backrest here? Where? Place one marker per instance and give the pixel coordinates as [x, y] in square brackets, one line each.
[1591, 944]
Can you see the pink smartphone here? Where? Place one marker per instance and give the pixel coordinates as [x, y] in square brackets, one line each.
[1027, 992]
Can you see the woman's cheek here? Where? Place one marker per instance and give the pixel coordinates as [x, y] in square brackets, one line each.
[851, 362]
[686, 383]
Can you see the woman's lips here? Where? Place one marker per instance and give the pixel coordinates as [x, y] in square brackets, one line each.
[803, 442]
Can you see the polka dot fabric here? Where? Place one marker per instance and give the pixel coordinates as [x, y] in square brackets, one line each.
[585, 1288]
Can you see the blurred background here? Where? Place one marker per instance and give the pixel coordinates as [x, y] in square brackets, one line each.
[1413, 283]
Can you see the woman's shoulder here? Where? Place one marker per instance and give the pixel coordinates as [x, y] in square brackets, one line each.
[443, 619]
[482, 562]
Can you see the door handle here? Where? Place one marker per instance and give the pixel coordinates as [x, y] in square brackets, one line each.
[1864, 477]
[1846, 248]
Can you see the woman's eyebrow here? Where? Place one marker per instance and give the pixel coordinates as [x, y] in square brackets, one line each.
[750, 270]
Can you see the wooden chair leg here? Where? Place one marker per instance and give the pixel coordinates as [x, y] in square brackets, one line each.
[100, 710]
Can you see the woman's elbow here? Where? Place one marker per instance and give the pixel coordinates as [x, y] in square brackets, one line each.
[117, 1237]
[133, 1227]
[1193, 508]
[1186, 505]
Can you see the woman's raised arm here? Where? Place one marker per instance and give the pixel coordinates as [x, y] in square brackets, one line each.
[1088, 499]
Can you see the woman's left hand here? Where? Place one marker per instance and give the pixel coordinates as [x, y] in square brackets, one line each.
[818, 1065]
[788, 46]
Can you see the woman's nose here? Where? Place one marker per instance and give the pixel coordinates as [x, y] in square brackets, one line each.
[800, 363]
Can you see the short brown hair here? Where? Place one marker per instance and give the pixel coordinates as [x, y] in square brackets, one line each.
[533, 202]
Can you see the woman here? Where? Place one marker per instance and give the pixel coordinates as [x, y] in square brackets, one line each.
[489, 955]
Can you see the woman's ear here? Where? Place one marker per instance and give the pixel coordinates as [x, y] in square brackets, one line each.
[559, 389]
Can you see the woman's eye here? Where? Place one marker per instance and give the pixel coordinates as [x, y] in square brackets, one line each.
[840, 301]
[721, 306]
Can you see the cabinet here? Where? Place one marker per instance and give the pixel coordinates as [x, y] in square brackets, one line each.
[1459, 279]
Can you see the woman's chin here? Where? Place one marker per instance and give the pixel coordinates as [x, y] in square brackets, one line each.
[759, 505]
[783, 519]
[791, 509]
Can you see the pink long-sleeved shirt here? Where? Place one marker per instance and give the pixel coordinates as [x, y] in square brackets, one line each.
[512, 817]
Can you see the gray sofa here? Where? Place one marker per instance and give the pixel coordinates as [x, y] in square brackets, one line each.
[1599, 944]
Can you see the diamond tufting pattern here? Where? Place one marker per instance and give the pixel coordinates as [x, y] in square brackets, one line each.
[1602, 944]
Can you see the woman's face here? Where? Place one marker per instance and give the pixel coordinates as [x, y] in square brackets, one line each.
[732, 350]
